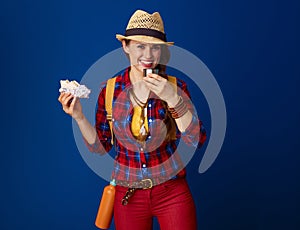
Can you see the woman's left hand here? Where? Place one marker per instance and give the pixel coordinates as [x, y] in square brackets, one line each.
[162, 88]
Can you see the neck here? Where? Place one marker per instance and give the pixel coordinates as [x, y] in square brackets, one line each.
[135, 75]
[140, 90]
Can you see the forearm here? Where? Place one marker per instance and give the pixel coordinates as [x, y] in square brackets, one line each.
[187, 121]
[87, 130]
[184, 121]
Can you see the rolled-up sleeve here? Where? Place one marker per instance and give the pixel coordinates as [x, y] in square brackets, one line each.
[102, 143]
[195, 133]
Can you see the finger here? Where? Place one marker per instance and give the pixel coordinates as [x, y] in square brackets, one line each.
[150, 80]
[63, 96]
[154, 88]
[153, 75]
[157, 77]
[73, 102]
[67, 100]
[150, 86]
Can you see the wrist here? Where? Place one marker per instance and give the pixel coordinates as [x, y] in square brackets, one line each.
[79, 119]
[172, 102]
[179, 110]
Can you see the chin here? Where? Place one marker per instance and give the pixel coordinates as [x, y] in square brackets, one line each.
[141, 68]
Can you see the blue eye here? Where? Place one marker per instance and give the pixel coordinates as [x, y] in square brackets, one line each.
[156, 47]
[141, 46]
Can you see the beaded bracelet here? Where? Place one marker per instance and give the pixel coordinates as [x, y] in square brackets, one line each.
[179, 110]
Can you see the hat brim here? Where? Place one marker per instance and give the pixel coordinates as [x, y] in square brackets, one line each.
[143, 38]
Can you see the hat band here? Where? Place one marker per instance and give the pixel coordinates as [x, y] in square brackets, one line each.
[147, 32]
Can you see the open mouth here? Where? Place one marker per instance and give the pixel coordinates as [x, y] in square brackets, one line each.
[146, 64]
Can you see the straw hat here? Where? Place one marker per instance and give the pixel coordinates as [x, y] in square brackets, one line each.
[145, 27]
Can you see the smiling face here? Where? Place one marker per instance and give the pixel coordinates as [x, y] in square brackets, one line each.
[142, 55]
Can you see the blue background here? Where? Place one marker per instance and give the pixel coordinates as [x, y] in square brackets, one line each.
[251, 47]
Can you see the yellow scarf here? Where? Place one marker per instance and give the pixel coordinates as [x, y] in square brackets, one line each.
[139, 123]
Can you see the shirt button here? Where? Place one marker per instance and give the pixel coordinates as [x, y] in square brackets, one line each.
[144, 165]
[150, 120]
[141, 149]
[149, 105]
[149, 137]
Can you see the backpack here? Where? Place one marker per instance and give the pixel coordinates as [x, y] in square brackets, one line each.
[109, 95]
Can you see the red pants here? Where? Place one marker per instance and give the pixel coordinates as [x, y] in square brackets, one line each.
[171, 202]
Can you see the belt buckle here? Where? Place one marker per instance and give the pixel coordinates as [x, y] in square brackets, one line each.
[150, 181]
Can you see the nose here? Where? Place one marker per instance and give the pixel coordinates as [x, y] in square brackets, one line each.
[148, 52]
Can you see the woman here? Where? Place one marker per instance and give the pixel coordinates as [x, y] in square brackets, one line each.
[149, 117]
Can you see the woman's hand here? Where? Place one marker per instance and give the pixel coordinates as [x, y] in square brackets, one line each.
[71, 105]
[162, 88]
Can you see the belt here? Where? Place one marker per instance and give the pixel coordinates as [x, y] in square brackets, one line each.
[142, 184]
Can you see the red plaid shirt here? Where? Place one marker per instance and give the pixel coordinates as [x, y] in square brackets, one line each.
[157, 157]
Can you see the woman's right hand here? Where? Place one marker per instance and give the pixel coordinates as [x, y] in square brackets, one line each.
[71, 105]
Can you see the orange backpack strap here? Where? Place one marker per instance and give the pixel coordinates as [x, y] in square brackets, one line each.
[109, 95]
[173, 80]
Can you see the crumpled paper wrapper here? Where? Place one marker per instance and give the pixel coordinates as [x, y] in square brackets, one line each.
[73, 87]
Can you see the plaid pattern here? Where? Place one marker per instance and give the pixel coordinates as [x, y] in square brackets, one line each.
[156, 157]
